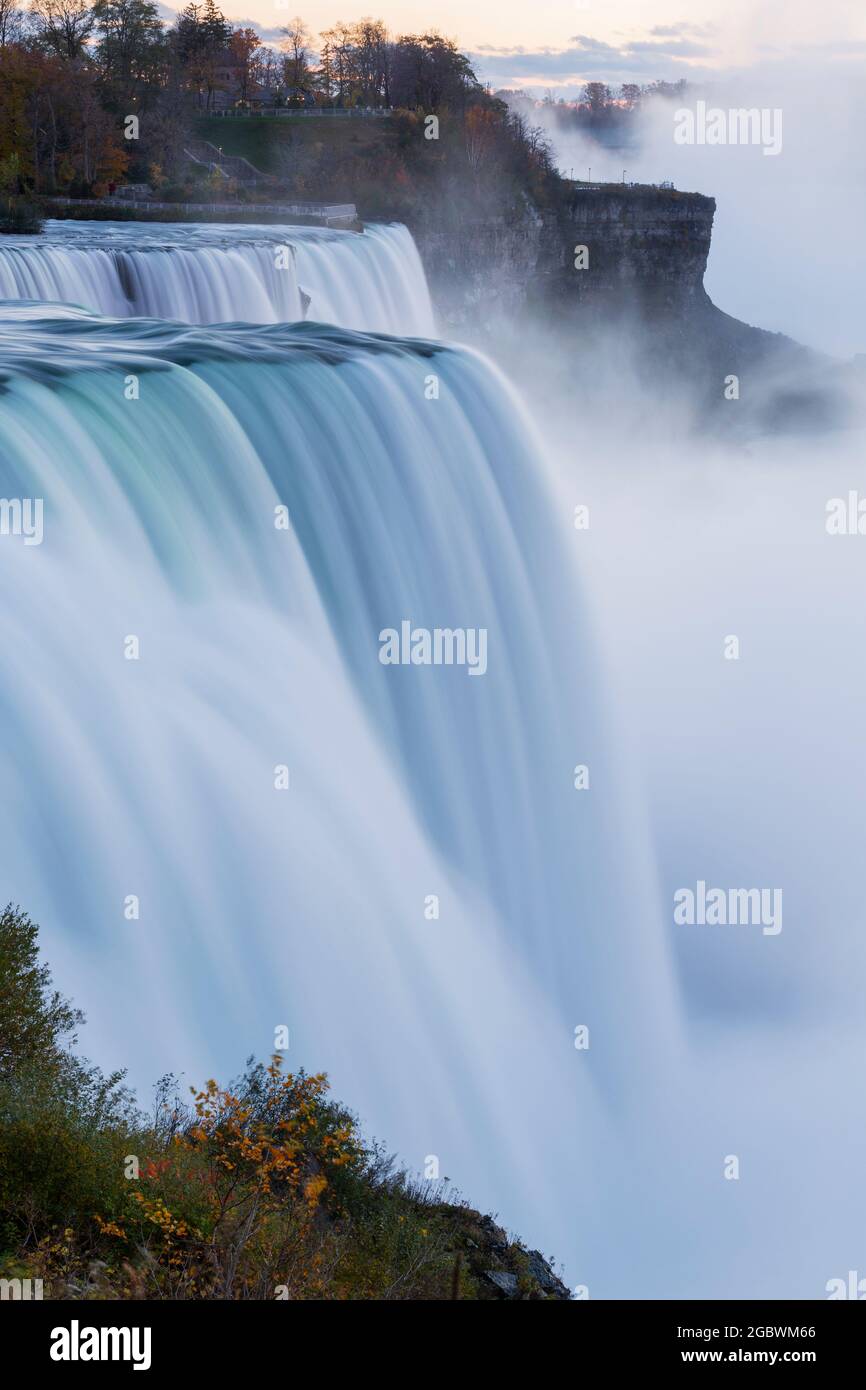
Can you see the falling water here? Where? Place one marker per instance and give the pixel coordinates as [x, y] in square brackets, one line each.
[372, 280]
[173, 652]
[161, 453]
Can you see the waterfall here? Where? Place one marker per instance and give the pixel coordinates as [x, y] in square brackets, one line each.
[371, 281]
[163, 454]
[401, 507]
[230, 814]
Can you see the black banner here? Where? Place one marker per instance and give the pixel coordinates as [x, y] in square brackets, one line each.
[155, 1338]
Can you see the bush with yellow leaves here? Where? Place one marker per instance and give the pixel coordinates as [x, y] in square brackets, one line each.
[262, 1190]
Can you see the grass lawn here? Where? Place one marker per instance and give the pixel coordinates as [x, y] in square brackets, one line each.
[265, 140]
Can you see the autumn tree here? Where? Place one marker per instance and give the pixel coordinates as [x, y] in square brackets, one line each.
[130, 50]
[372, 62]
[62, 27]
[17, 79]
[295, 47]
[429, 72]
[244, 47]
[201, 36]
[339, 42]
[481, 136]
[11, 23]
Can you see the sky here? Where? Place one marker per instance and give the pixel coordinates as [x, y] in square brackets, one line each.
[560, 44]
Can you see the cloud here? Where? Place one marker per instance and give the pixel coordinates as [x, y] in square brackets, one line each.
[682, 48]
[665, 52]
[591, 45]
[500, 52]
[269, 35]
[679, 47]
[674, 31]
[587, 60]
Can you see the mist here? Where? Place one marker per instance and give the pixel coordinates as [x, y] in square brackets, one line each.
[787, 239]
[741, 770]
[265, 469]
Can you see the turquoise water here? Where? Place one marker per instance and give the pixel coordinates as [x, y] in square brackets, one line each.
[229, 815]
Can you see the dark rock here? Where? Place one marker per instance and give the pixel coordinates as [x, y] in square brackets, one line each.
[494, 1235]
[511, 287]
[505, 1283]
[544, 1275]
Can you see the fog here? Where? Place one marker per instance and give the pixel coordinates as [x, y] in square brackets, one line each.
[744, 770]
[698, 645]
[787, 241]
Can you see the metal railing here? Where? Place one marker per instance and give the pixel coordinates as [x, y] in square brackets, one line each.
[324, 212]
[347, 112]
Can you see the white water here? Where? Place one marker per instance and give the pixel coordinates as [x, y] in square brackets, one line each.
[372, 281]
[259, 647]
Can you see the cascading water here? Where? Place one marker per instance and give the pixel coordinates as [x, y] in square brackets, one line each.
[161, 453]
[372, 281]
[231, 518]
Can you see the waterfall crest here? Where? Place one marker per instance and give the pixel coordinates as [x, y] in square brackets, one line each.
[370, 281]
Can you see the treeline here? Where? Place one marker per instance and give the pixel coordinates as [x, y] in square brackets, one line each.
[361, 65]
[598, 99]
[603, 113]
[72, 73]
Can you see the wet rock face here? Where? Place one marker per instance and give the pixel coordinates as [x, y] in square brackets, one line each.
[640, 241]
[645, 249]
[480, 273]
[646, 245]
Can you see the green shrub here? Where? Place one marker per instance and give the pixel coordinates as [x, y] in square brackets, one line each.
[260, 1190]
[21, 218]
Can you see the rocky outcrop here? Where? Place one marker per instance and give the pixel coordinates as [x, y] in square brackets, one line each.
[647, 246]
[601, 270]
[495, 1267]
[479, 271]
[644, 247]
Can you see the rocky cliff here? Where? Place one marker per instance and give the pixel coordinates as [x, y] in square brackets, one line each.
[645, 245]
[604, 248]
[624, 268]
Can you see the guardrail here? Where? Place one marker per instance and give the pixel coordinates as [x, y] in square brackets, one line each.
[325, 212]
[356, 112]
[230, 165]
[582, 186]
